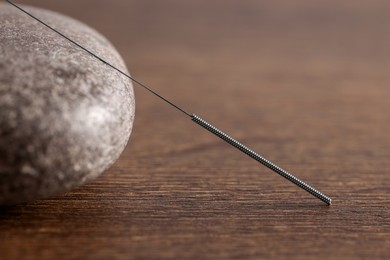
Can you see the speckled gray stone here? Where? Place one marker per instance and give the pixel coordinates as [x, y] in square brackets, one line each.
[64, 116]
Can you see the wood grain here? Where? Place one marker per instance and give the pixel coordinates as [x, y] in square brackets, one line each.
[304, 83]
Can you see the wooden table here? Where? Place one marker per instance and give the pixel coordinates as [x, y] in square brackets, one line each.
[305, 83]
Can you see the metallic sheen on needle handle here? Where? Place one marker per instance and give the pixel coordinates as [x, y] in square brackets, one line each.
[261, 159]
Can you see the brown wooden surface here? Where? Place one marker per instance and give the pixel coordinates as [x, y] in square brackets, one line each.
[305, 83]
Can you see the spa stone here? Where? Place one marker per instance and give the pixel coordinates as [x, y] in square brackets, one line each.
[65, 117]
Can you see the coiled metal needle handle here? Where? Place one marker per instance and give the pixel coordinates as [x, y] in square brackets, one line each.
[261, 159]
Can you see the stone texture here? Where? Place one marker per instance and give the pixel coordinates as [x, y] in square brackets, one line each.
[64, 116]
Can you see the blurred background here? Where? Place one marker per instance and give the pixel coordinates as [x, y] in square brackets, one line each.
[320, 65]
[305, 83]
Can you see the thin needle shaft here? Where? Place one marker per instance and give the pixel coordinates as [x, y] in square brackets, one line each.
[100, 59]
[197, 119]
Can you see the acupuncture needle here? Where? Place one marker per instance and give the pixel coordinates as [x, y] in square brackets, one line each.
[209, 127]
